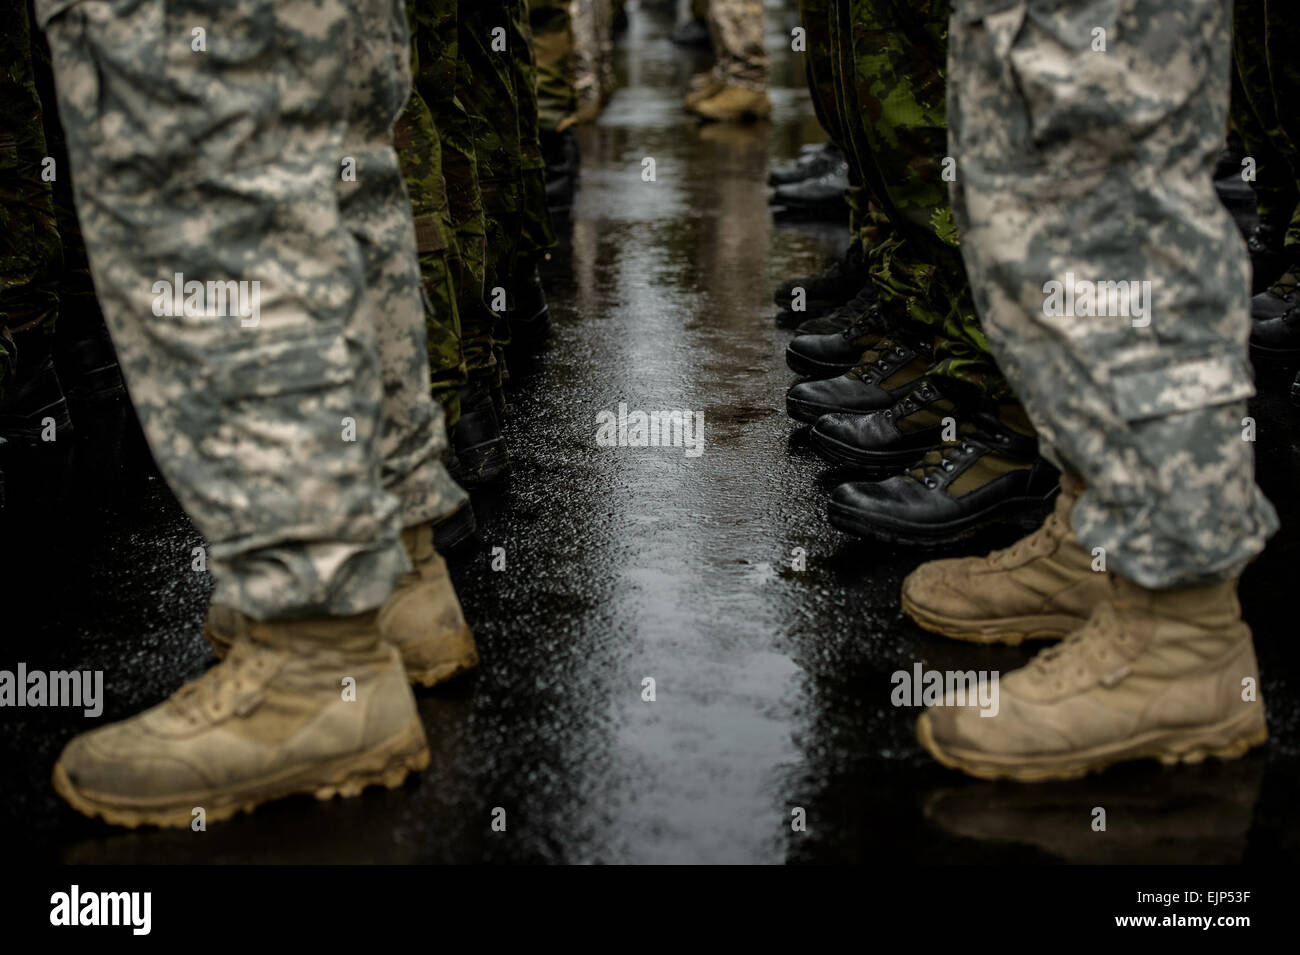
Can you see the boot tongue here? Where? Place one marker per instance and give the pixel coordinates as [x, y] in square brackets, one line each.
[935, 459]
[314, 636]
[216, 690]
[869, 358]
[418, 541]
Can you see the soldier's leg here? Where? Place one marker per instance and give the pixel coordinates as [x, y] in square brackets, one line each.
[376, 208]
[1265, 35]
[491, 103]
[586, 59]
[557, 101]
[550, 22]
[529, 315]
[895, 73]
[737, 30]
[1070, 171]
[814, 17]
[31, 264]
[1255, 116]
[420, 153]
[263, 403]
[31, 257]
[485, 88]
[419, 149]
[605, 46]
[106, 431]
[422, 617]
[843, 278]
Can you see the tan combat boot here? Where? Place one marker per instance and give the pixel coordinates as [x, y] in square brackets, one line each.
[316, 706]
[1040, 588]
[734, 104]
[1163, 674]
[702, 86]
[422, 617]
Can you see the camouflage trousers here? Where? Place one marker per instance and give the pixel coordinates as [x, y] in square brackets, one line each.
[889, 65]
[814, 17]
[593, 49]
[1076, 166]
[296, 429]
[737, 30]
[1266, 44]
[489, 42]
[43, 267]
[551, 27]
[31, 256]
[536, 232]
[443, 269]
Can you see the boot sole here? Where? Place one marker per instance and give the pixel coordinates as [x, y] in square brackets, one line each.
[871, 462]
[1227, 740]
[811, 368]
[1009, 630]
[929, 535]
[808, 412]
[385, 765]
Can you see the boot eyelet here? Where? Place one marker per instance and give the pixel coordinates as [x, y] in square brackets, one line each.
[947, 465]
[931, 483]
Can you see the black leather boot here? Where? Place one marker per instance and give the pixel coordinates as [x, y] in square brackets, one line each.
[834, 285]
[811, 162]
[884, 442]
[834, 353]
[887, 371]
[1275, 314]
[530, 316]
[989, 474]
[481, 454]
[817, 197]
[36, 425]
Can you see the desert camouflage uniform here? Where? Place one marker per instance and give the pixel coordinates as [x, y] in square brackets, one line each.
[1099, 164]
[185, 164]
[737, 30]
[593, 49]
[1266, 43]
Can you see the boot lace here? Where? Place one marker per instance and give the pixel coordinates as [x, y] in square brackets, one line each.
[1053, 529]
[941, 460]
[861, 305]
[1285, 287]
[1102, 639]
[870, 365]
[217, 690]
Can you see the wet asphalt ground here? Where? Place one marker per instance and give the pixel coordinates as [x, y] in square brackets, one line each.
[771, 684]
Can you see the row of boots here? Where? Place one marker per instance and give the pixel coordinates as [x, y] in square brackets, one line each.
[1132, 672]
